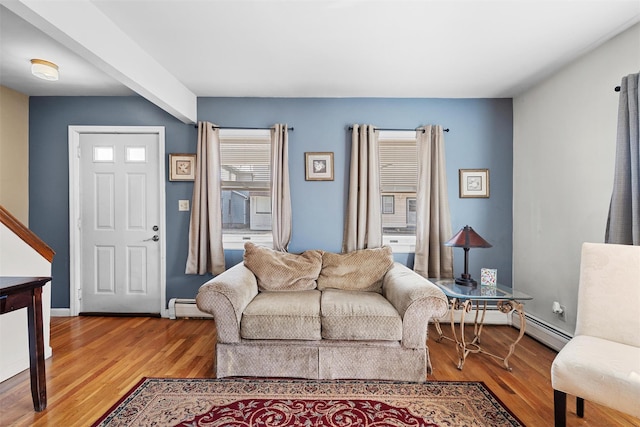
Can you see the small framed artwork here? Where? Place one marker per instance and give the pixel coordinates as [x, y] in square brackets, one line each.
[318, 166]
[474, 183]
[182, 167]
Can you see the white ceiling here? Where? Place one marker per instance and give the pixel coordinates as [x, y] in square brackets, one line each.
[300, 48]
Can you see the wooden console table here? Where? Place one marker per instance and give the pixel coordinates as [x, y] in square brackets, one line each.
[21, 292]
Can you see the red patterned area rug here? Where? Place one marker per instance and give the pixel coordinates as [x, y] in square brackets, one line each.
[283, 402]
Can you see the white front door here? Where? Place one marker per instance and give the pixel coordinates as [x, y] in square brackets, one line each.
[120, 223]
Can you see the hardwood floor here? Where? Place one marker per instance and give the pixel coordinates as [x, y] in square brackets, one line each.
[96, 360]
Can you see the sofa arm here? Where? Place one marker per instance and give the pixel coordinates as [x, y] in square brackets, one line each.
[225, 297]
[416, 299]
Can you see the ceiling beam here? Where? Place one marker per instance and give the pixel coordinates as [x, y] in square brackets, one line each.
[83, 28]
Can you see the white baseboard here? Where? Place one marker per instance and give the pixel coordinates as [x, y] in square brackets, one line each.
[492, 317]
[60, 312]
[186, 308]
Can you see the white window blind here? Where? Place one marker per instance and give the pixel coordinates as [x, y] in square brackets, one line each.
[398, 162]
[245, 173]
[245, 161]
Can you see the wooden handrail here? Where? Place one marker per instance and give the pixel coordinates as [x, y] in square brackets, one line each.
[29, 237]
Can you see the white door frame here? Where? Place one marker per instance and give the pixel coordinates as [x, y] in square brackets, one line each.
[75, 282]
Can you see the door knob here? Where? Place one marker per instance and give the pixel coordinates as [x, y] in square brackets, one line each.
[154, 238]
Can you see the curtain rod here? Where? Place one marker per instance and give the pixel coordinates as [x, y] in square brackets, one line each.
[390, 129]
[241, 128]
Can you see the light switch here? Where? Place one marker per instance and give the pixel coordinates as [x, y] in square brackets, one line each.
[183, 205]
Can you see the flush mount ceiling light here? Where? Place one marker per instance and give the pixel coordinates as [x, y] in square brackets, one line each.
[44, 69]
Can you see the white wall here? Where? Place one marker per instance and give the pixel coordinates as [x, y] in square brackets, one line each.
[18, 259]
[564, 151]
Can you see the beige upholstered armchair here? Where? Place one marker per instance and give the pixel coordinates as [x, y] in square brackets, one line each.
[602, 362]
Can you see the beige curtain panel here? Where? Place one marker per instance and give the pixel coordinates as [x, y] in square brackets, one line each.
[363, 222]
[205, 229]
[433, 222]
[280, 192]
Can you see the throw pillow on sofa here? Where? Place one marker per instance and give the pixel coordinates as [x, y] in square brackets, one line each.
[282, 271]
[361, 270]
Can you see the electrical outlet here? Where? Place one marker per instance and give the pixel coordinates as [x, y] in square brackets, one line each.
[183, 205]
[562, 313]
[558, 309]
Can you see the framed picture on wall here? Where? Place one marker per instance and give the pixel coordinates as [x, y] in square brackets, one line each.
[182, 167]
[474, 183]
[318, 166]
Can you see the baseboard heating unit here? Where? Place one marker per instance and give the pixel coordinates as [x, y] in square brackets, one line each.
[545, 333]
[186, 308]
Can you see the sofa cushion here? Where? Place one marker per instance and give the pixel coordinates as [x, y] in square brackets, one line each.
[285, 315]
[356, 315]
[283, 271]
[361, 270]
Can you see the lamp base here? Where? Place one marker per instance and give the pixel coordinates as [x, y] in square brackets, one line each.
[466, 281]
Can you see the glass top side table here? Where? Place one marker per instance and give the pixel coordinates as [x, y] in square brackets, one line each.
[463, 299]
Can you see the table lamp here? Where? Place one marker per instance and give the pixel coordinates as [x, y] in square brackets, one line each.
[467, 238]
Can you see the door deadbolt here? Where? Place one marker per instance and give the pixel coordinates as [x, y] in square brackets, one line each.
[155, 228]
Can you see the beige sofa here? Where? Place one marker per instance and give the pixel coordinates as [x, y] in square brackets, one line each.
[322, 315]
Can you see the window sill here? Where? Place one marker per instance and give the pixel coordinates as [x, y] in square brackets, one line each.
[400, 244]
[237, 241]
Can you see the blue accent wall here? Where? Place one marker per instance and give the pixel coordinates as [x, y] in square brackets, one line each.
[481, 136]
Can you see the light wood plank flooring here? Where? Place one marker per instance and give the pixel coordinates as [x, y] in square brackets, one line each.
[96, 360]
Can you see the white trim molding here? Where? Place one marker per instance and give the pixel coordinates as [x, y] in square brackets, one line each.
[492, 317]
[60, 312]
[185, 309]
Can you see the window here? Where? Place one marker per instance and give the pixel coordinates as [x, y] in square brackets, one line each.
[103, 154]
[411, 212]
[136, 154]
[245, 163]
[398, 186]
[388, 204]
